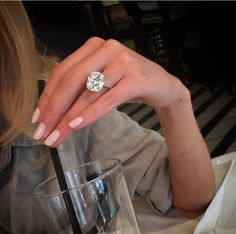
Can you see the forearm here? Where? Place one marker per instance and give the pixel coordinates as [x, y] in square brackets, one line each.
[191, 171]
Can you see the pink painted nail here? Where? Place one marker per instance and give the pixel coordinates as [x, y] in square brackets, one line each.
[52, 138]
[39, 132]
[35, 116]
[76, 122]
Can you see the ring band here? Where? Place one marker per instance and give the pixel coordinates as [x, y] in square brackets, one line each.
[96, 81]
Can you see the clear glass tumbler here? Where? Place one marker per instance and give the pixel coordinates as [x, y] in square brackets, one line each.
[100, 198]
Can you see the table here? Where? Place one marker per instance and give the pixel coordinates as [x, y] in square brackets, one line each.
[178, 221]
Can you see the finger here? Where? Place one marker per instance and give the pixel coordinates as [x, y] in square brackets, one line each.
[105, 104]
[71, 87]
[79, 55]
[113, 72]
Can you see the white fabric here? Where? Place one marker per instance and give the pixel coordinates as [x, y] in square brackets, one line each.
[219, 218]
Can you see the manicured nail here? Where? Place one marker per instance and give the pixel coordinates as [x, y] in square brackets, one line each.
[39, 132]
[52, 138]
[35, 115]
[76, 122]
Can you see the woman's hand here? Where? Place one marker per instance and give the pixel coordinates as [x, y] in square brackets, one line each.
[67, 105]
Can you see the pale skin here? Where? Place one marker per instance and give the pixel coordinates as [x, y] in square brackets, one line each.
[66, 105]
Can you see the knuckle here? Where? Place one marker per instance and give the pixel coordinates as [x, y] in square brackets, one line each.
[94, 40]
[69, 78]
[51, 115]
[55, 73]
[112, 44]
[125, 57]
[66, 79]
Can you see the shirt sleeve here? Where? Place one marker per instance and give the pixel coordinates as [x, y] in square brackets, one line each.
[143, 154]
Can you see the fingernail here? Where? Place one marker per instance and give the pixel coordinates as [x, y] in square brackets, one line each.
[52, 138]
[39, 132]
[76, 122]
[35, 115]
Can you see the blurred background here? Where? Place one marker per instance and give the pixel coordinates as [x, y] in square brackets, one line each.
[195, 41]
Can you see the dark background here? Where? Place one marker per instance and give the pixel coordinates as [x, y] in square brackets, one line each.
[193, 40]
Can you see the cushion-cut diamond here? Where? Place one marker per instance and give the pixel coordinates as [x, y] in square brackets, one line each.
[95, 81]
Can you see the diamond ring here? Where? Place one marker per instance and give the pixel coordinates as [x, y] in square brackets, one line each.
[96, 81]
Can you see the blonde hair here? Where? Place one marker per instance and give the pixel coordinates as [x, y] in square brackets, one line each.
[19, 70]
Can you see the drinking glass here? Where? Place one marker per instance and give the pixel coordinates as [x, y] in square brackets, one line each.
[100, 199]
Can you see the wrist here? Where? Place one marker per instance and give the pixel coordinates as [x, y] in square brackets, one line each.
[178, 113]
[180, 97]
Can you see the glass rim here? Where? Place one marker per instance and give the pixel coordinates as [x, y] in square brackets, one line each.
[117, 163]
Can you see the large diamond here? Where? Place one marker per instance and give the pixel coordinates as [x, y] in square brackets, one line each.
[95, 81]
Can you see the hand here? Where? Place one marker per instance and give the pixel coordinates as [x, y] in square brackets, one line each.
[66, 105]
